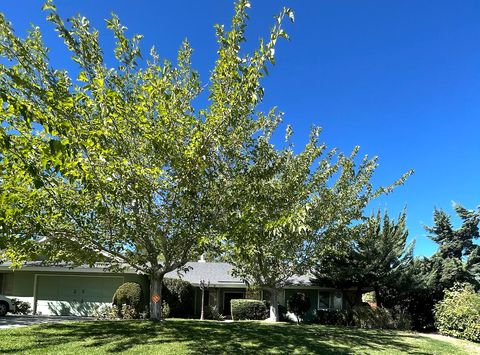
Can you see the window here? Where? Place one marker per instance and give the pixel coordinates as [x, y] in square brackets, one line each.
[324, 300]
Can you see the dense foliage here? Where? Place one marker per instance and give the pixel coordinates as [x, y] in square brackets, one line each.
[331, 317]
[458, 314]
[370, 254]
[299, 304]
[114, 164]
[244, 309]
[423, 284]
[130, 294]
[366, 317]
[179, 295]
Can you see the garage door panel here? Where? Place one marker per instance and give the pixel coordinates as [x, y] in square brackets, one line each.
[77, 288]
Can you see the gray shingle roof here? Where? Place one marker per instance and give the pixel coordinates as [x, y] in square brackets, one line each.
[217, 273]
[220, 275]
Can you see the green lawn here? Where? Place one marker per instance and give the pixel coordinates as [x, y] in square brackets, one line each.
[196, 337]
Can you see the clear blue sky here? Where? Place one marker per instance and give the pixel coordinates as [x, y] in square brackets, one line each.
[399, 78]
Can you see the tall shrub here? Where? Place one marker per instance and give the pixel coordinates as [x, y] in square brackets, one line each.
[458, 314]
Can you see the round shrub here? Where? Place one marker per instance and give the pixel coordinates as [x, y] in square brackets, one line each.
[243, 309]
[179, 295]
[299, 304]
[458, 314]
[130, 294]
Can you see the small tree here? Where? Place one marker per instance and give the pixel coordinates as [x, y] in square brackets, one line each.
[204, 285]
[299, 304]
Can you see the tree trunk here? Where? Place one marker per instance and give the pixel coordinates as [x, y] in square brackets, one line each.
[202, 309]
[274, 316]
[156, 282]
[358, 296]
[378, 299]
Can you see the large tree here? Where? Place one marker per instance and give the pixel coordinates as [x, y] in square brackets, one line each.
[458, 257]
[369, 255]
[114, 164]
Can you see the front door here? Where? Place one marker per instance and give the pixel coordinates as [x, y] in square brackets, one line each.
[227, 297]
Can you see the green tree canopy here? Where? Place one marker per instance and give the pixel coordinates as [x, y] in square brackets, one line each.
[115, 164]
[285, 204]
[369, 255]
[457, 260]
[458, 257]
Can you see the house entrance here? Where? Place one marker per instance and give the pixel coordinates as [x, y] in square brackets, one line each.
[227, 297]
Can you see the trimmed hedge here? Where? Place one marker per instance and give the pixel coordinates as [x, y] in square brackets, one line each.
[243, 309]
[179, 295]
[458, 314]
[130, 294]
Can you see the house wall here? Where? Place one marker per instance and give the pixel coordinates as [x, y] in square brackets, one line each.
[65, 293]
[216, 296]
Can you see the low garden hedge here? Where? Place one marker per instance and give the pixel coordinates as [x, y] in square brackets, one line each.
[243, 309]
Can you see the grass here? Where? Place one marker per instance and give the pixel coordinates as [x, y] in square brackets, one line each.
[208, 337]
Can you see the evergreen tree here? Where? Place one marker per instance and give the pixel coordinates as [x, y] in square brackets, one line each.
[457, 258]
[371, 254]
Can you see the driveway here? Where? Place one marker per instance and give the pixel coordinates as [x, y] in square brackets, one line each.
[14, 321]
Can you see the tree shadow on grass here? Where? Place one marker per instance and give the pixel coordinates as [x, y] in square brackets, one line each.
[215, 338]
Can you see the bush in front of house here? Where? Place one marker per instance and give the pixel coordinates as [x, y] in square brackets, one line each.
[367, 317]
[21, 307]
[179, 295]
[299, 304]
[282, 312]
[165, 309]
[244, 309]
[107, 312]
[458, 314]
[331, 317]
[130, 294]
[211, 312]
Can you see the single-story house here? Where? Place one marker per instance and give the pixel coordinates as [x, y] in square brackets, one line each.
[65, 290]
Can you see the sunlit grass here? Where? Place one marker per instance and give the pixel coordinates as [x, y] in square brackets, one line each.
[208, 337]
